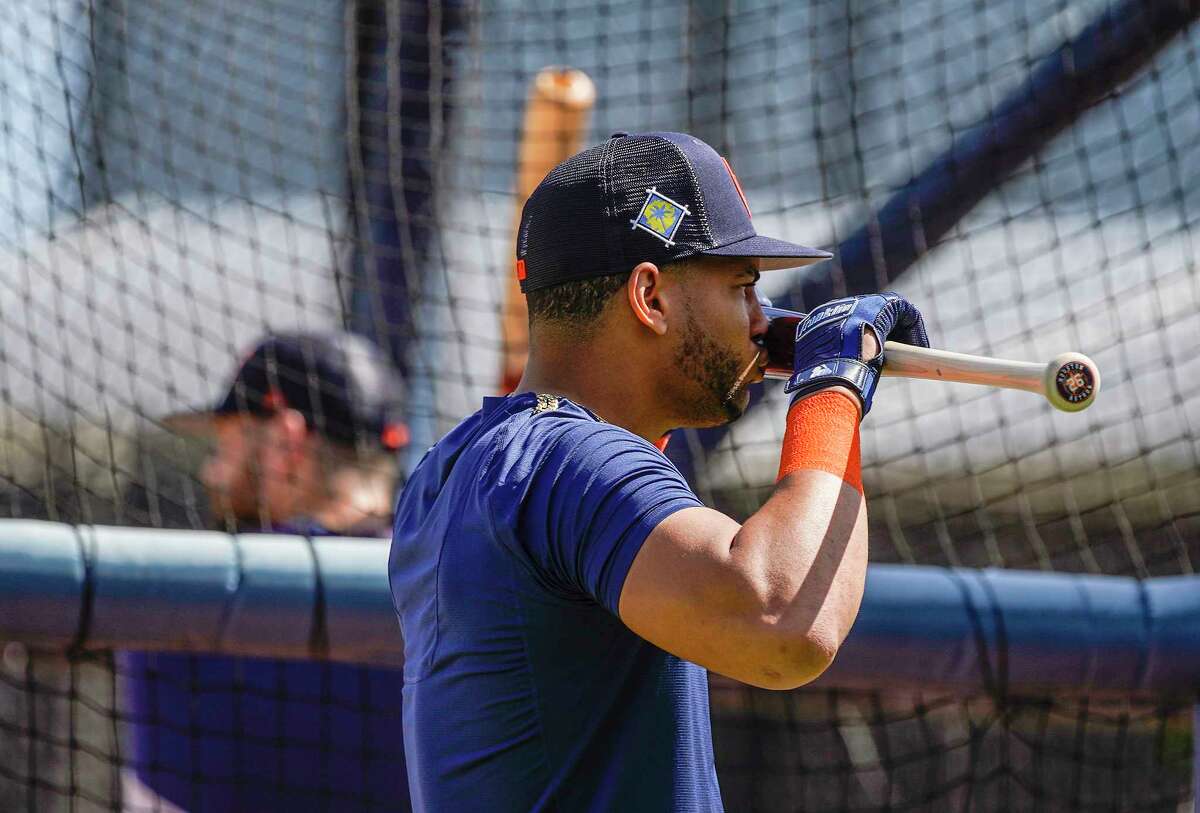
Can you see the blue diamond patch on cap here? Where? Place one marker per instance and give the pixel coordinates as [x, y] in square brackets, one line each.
[660, 216]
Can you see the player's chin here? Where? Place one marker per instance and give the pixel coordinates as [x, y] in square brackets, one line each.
[708, 413]
[736, 406]
[223, 511]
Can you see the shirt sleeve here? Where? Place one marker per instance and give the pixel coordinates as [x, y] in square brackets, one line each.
[597, 494]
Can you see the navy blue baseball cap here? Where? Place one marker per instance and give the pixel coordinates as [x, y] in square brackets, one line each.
[342, 383]
[657, 197]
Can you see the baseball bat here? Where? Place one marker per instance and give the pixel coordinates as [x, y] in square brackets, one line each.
[1069, 381]
[556, 119]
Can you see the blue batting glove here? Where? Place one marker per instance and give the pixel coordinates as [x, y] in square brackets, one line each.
[829, 343]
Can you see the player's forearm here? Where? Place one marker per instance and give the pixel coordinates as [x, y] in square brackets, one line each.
[806, 548]
[805, 552]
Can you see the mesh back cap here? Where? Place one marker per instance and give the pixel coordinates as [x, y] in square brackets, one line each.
[342, 383]
[657, 197]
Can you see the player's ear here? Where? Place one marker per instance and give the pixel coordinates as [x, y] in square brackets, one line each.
[646, 297]
[289, 435]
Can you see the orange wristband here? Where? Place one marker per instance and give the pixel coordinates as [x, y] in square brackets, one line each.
[822, 434]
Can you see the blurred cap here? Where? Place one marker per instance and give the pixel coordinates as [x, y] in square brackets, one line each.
[343, 384]
[657, 197]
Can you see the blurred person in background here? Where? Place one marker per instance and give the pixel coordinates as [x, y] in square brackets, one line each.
[305, 439]
[304, 442]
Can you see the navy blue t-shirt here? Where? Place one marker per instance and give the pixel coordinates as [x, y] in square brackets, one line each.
[522, 688]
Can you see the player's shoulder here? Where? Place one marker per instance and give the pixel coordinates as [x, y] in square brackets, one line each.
[566, 447]
[558, 450]
[537, 430]
[555, 423]
[522, 425]
[513, 438]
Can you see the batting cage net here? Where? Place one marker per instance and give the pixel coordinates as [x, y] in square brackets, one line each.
[179, 179]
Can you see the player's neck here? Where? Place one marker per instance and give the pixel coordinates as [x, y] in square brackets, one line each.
[603, 379]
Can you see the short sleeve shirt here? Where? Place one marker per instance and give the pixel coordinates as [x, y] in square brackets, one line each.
[523, 688]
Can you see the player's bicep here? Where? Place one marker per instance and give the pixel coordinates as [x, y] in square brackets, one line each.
[688, 594]
[596, 497]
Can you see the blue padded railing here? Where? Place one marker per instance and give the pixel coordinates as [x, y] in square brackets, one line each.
[992, 631]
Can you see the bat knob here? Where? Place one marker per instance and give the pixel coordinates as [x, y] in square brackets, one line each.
[1071, 382]
[569, 87]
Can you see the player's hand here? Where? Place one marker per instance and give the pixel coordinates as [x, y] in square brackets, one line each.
[830, 343]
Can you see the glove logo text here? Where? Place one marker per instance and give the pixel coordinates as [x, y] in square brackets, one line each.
[832, 311]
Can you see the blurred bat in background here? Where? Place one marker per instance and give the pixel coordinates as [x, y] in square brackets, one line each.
[556, 121]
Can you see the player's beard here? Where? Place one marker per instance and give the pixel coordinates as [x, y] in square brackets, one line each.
[235, 509]
[234, 498]
[716, 373]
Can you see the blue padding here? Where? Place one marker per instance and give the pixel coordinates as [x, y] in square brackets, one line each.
[1001, 630]
[358, 599]
[160, 590]
[911, 625]
[272, 610]
[41, 582]
[1174, 607]
[919, 627]
[1058, 629]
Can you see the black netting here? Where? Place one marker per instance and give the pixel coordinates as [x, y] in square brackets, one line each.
[176, 179]
[65, 746]
[889, 750]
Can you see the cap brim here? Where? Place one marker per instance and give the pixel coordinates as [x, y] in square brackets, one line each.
[195, 424]
[773, 254]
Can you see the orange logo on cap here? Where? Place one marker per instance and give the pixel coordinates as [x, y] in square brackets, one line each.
[738, 186]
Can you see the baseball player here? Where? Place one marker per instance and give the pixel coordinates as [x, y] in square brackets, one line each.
[304, 442]
[560, 588]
